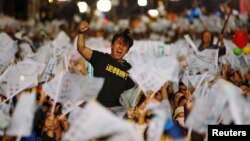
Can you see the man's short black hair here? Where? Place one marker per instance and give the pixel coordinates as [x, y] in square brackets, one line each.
[126, 37]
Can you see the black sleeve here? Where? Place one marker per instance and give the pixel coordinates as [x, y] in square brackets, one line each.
[130, 83]
[96, 57]
[222, 51]
[200, 48]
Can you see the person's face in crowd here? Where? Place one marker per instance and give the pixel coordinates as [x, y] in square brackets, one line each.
[183, 88]
[203, 9]
[158, 96]
[143, 105]
[189, 93]
[118, 49]
[245, 90]
[130, 113]
[58, 109]
[189, 105]
[176, 98]
[46, 108]
[207, 37]
[225, 68]
[247, 76]
[194, 4]
[183, 102]
[236, 77]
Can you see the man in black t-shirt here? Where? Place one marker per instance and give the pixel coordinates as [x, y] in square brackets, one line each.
[112, 67]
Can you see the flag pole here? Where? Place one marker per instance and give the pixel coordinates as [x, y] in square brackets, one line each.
[225, 24]
[57, 94]
[137, 98]
[19, 136]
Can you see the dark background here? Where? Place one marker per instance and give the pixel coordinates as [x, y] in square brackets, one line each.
[126, 8]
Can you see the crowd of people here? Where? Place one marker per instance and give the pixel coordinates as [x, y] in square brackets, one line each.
[112, 41]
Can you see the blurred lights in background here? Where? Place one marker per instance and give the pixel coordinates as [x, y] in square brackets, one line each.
[115, 2]
[142, 2]
[82, 6]
[103, 5]
[63, 0]
[153, 12]
[50, 1]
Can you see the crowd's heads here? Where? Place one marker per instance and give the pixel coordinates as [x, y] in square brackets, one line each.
[236, 78]
[178, 99]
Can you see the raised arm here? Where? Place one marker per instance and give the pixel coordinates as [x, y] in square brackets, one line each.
[85, 51]
[222, 49]
[164, 92]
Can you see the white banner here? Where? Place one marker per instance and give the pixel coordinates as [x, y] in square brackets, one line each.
[209, 55]
[206, 111]
[18, 77]
[235, 99]
[196, 65]
[22, 119]
[109, 124]
[152, 75]
[8, 48]
[68, 88]
[47, 71]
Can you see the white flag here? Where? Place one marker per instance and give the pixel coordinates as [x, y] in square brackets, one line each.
[152, 75]
[128, 97]
[22, 119]
[234, 61]
[199, 79]
[74, 114]
[8, 48]
[61, 52]
[20, 76]
[247, 59]
[196, 65]
[68, 88]
[206, 111]
[62, 37]
[68, 106]
[43, 54]
[235, 98]
[191, 43]
[4, 121]
[226, 117]
[5, 107]
[153, 49]
[47, 71]
[156, 126]
[88, 125]
[209, 55]
[6, 43]
[138, 59]
[180, 48]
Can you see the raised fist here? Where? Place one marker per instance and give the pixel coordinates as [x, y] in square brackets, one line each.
[83, 27]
